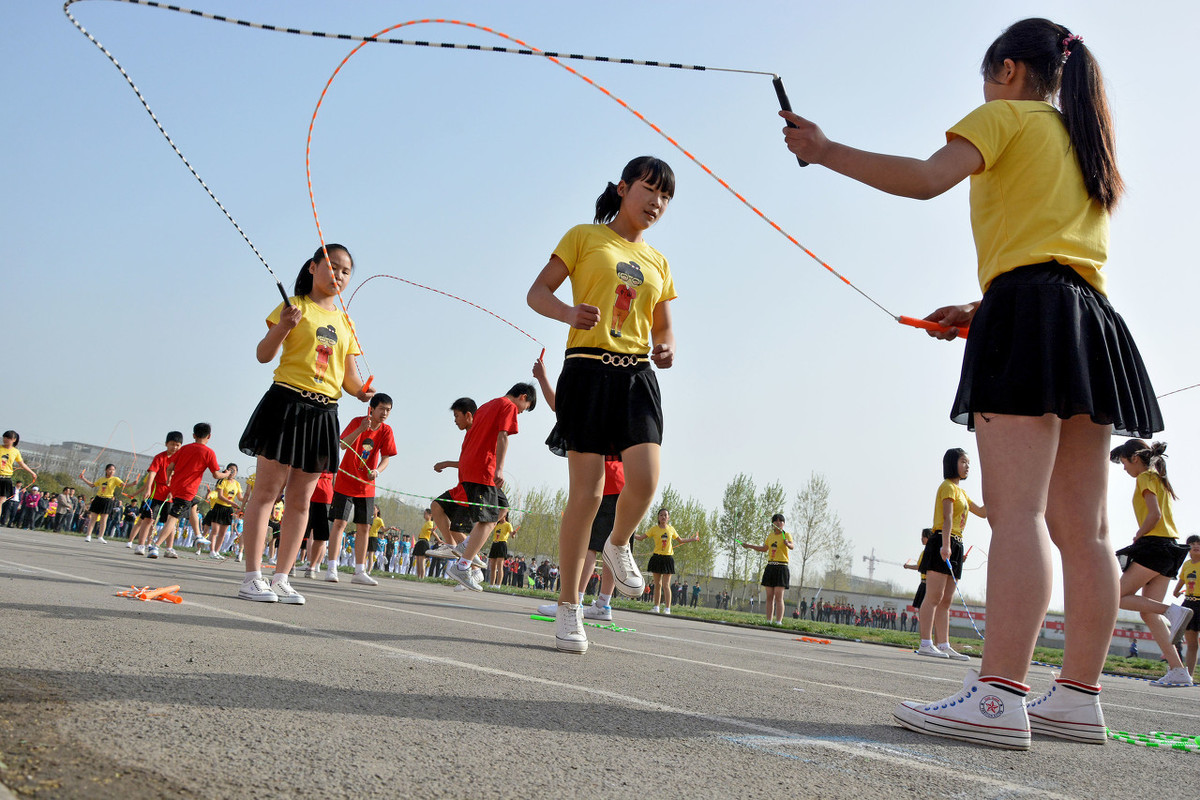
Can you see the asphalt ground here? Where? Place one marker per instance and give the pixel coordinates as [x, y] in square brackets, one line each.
[409, 689]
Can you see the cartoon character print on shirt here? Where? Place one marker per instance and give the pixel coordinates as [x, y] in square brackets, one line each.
[666, 539]
[5, 461]
[326, 339]
[630, 276]
[774, 547]
[1190, 580]
[365, 454]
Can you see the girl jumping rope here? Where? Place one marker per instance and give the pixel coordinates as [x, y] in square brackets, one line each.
[294, 431]
[1050, 370]
[607, 401]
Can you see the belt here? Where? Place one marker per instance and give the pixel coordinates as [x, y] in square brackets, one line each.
[316, 397]
[611, 359]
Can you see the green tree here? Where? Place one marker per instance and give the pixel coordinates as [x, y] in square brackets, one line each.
[538, 523]
[739, 513]
[817, 528]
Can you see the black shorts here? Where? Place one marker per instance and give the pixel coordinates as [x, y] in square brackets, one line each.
[299, 431]
[932, 557]
[220, 515]
[454, 510]
[180, 507]
[607, 404]
[919, 597]
[499, 550]
[1194, 604]
[1079, 357]
[421, 548]
[150, 509]
[1159, 553]
[318, 522]
[6, 487]
[661, 565]
[776, 574]
[342, 505]
[602, 523]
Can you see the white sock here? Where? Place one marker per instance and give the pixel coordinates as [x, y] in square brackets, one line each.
[944, 646]
[360, 569]
[581, 598]
[604, 599]
[252, 576]
[464, 564]
[927, 643]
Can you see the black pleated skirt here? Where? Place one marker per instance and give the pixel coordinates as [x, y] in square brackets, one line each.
[293, 430]
[606, 409]
[1043, 341]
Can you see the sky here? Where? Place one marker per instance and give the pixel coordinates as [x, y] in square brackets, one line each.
[133, 305]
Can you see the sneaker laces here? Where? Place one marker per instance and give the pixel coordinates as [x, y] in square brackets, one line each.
[950, 702]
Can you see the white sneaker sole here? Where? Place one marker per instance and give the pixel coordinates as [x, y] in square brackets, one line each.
[913, 718]
[623, 583]
[572, 646]
[1087, 733]
[260, 598]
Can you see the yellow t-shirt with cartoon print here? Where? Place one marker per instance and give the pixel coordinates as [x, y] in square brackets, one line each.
[1149, 481]
[962, 504]
[1189, 573]
[502, 531]
[664, 539]
[777, 546]
[9, 458]
[426, 530]
[227, 492]
[107, 487]
[277, 512]
[623, 279]
[314, 352]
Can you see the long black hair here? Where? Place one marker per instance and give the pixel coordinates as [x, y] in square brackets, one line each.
[304, 281]
[1059, 62]
[653, 171]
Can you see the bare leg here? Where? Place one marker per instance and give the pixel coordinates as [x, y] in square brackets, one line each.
[336, 528]
[589, 567]
[586, 484]
[931, 609]
[270, 480]
[641, 482]
[1190, 649]
[1153, 587]
[300, 486]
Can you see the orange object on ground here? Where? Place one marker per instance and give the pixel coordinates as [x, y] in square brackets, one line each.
[167, 594]
[812, 640]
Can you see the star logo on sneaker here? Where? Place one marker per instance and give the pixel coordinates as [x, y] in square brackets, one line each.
[991, 706]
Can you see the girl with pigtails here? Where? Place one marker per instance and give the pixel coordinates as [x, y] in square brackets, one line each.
[1154, 558]
[1050, 371]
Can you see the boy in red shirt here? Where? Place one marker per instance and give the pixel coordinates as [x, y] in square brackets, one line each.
[191, 462]
[481, 470]
[369, 445]
[158, 489]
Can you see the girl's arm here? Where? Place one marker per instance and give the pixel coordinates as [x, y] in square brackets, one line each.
[539, 372]
[663, 354]
[352, 382]
[1178, 588]
[979, 511]
[1153, 515]
[899, 175]
[268, 348]
[542, 300]
[693, 538]
[762, 548]
[20, 463]
[947, 525]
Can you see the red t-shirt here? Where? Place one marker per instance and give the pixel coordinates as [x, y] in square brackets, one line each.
[477, 462]
[191, 462]
[370, 446]
[614, 476]
[323, 492]
[161, 467]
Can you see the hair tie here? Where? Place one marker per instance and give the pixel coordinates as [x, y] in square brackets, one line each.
[1066, 44]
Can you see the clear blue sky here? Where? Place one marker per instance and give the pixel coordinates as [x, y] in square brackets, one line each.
[461, 170]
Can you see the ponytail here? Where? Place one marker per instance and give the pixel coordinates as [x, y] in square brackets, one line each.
[1153, 456]
[304, 281]
[1058, 62]
[653, 171]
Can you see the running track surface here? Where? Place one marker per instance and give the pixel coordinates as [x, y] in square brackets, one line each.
[411, 689]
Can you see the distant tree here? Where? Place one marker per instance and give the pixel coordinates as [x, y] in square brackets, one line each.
[737, 521]
[815, 526]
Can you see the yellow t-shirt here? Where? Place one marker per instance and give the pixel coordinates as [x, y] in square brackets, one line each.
[277, 511]
[376, 526]
[107, 487]
[250, 482]
[9, 456]
[502, 532]
[777, 546]
[426, 530]
[1189, 573]
[664, 539]
[921, 555]
[962, 504]
[227, 492]
[1029, 204]
[314, 352]
[1151, 482]
[624, 280]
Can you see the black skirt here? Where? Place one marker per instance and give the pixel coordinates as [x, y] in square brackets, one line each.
[931, 559]
[220, 515]
[294, 430]
[421, 548]
[1043, 341]
[661, 565]
[499, 550]
[606, 408]
[1161, 554]
[776, 574]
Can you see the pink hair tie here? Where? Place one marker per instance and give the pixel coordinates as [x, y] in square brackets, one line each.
[1066, 44]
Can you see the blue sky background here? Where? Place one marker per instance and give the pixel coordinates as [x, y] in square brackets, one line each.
[130, 297]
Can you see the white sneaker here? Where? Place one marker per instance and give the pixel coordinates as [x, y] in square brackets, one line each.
[310, 572]
[625, 572]
[87, 538]
[1177, 619]
[667, 610]
[548, 610]
[953, 654]
[443, 550]
[656, 610]
[1176, 676]
[331, 576]
[457, 550]
[170, 553]
[152, 551]
[1070, 710]
[594, 611]
[463, 576]
[458, 587]
[201, 540]
[931, 651]
[130, 545]
[257, 590]
[477, 574]
[216, 556]
[364, 579]
[284, 591]
[140, 550]
[568, 630]
[989, 711]
[101, 540]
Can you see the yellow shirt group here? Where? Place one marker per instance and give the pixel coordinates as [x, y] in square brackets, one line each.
[962, 504]
[1149, 481]
[777, 546]
[314, 352]
[1029, 204]
[502, 531]
[664, 540]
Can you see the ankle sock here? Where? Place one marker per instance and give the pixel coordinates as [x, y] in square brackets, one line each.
[1085, 688]
[1011, 687]
[604, 599]
[256, 575]
[927, 643]
[360, 569]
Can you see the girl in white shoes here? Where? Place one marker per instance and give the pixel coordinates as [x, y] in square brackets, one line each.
[1050, 371]
[1154, 558]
